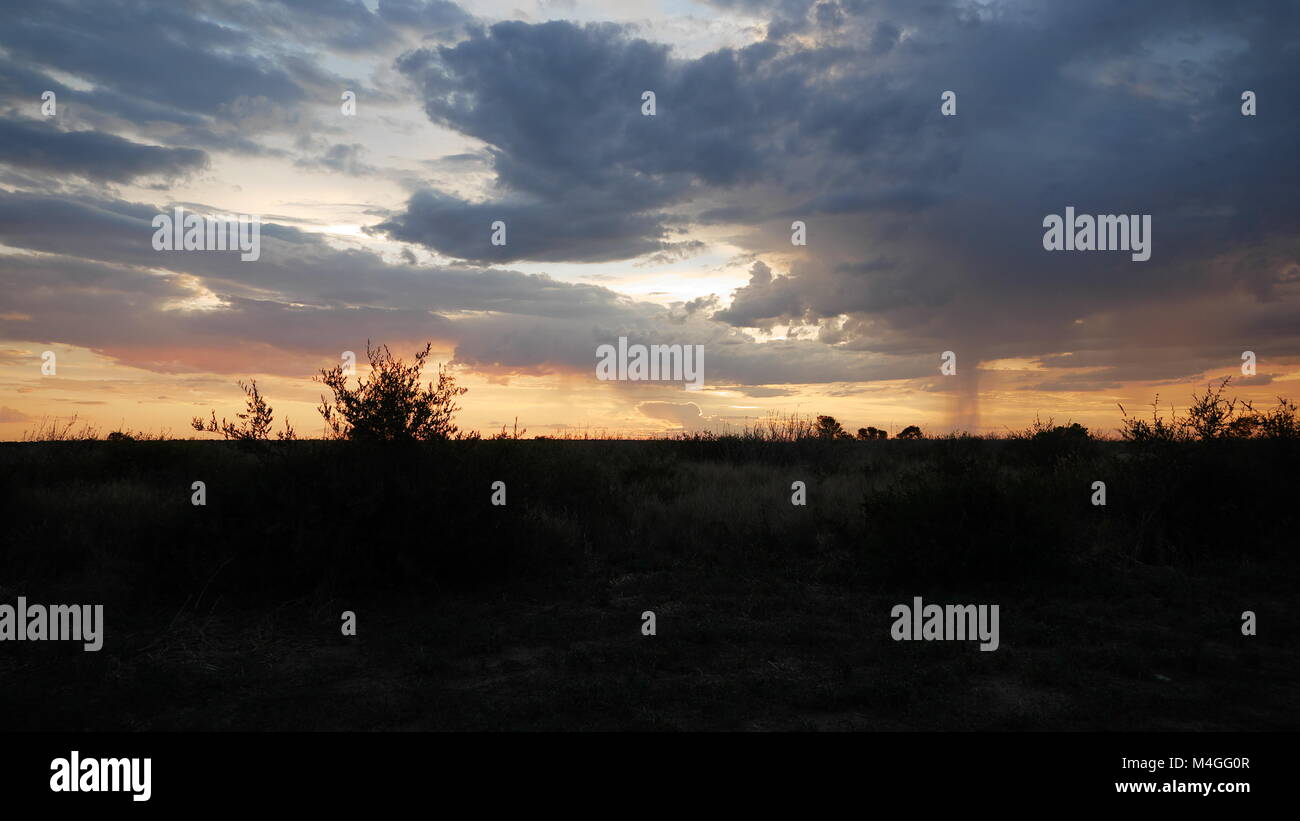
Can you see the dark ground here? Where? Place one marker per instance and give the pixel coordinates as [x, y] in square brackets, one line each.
[769, 616]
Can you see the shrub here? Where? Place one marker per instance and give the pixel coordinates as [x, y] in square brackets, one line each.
[1280, 423]
[1049, 443]
[1214, 416]
[827, 427]
[1157, 430]
[391, 405]
[254, 423]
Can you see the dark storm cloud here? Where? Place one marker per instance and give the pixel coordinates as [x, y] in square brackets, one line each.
[560, 107]
[557, 104]
[1111, 109]
[925, 231]
[39, 146]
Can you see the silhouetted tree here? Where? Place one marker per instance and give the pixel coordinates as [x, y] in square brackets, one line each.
[870, 432]
[254, 422]
[390, 405]
[827, 427]
[910, 432]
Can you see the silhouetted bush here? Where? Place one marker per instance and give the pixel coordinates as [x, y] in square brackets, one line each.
[827, 427]
[1214, 416]
[254, 423]
[391, 405]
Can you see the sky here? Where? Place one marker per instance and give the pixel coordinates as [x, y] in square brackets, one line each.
[923, 221]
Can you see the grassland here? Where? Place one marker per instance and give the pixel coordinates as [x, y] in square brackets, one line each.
[770, 616]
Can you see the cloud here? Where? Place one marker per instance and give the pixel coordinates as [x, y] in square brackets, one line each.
[433, 19]
[11, 415]
[100, 157]
[211, 74]
[341, 158]
[1258, 380]
[760, 392]
[924, 231]
[94, 272]
[581, 231]
[133, 48]
[685, 415]
[585, 175]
